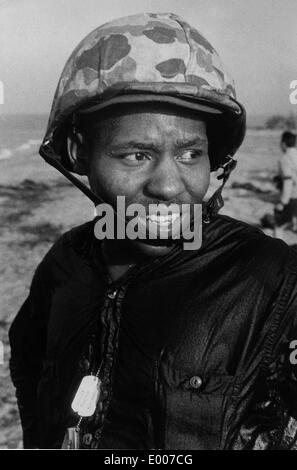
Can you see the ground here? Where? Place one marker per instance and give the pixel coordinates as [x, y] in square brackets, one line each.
[38, 204]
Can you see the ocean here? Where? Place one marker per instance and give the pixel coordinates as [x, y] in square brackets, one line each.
[21, 133]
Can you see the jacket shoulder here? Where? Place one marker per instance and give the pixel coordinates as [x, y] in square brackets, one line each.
[267, 251]
[67, 249]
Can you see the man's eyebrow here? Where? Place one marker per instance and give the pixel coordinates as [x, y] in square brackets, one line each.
[133, 144]
[178, 143]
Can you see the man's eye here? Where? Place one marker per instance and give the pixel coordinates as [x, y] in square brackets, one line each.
[190, 155]
[135, 157]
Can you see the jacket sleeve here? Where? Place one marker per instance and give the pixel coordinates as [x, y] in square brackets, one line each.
[283, 374]
[270, 422]
[27, 337]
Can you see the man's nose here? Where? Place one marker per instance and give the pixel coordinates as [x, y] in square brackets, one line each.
[165, 182]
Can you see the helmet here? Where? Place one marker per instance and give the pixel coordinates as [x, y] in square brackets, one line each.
[144, 58]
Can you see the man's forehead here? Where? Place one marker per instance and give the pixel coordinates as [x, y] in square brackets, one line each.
[151, 130]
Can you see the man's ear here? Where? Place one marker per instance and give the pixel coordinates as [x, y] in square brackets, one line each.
[78, 152]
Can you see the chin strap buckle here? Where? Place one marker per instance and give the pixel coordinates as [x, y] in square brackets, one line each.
[228, 166]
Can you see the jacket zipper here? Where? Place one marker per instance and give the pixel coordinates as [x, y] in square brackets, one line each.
[108, 374]
[159, 403]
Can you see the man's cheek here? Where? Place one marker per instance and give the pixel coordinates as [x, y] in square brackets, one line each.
[198, 190]
[199, 181]
[111, 189]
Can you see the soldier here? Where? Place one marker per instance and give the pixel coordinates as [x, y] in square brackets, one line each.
[286, 209]
[141, 344]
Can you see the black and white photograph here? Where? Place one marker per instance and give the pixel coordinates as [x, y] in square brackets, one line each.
[148, 227]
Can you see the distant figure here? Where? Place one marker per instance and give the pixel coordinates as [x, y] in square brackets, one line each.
[286, 209]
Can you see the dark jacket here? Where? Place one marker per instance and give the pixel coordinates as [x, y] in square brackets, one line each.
[194, 346]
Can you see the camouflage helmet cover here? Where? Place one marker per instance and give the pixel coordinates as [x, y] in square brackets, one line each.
[147, 57]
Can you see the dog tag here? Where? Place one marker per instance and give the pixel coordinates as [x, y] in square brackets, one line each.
[87, 395]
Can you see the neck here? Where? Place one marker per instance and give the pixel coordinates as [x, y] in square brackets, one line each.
[119, 257]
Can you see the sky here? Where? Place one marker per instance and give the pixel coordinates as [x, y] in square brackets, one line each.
[256, 39]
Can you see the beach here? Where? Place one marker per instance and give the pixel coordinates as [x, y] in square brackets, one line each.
[37, 205]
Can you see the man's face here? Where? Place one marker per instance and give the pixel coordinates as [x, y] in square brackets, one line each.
[151, 154]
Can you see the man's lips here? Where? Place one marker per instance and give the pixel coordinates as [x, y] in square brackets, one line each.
[163, 220]
[163, 224]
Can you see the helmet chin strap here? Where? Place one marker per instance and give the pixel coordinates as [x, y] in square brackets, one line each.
[216, 202]
[210, 208]
[47, 152]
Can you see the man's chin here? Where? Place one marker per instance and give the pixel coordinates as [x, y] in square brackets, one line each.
[153, 248]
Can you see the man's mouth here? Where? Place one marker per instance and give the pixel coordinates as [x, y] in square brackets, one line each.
[160, 224]
[163, 221]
